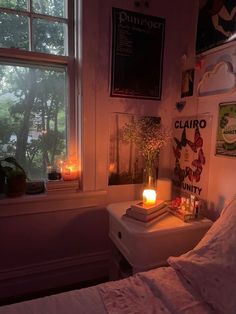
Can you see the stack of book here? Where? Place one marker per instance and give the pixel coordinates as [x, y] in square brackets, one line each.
[145, 215]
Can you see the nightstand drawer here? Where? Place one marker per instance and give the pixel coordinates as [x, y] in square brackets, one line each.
[120, 236]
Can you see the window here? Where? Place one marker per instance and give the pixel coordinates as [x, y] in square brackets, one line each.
[37, 82]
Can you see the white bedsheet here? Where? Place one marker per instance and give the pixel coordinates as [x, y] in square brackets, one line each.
[157, 291]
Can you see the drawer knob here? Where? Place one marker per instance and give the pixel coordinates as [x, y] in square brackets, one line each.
[119, 235]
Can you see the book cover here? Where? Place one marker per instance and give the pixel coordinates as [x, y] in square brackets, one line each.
[145, 217]
[143, 223]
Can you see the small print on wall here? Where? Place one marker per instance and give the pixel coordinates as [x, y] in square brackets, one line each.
[187, 83]
[226, 131]
[191, 151]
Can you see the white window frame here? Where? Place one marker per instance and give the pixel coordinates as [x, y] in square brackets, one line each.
[14, 56]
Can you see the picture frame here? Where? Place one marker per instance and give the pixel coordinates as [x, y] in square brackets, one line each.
[187, 83]
[226, 130]
[216, 24]
[136, 72]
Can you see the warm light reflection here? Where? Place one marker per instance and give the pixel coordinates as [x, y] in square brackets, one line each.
[149, 197]
[70, 170]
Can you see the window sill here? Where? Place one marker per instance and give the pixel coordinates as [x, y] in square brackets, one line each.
[50, 201]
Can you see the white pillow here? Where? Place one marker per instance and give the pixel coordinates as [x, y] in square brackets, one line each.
[211, 266]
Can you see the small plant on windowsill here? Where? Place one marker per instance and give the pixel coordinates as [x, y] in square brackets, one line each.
[12, 178]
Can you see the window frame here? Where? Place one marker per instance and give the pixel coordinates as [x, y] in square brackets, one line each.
[15, 55]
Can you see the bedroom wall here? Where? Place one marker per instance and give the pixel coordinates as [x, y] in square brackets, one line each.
[66, 239]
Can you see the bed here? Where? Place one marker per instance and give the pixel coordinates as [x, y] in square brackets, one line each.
[200, 281]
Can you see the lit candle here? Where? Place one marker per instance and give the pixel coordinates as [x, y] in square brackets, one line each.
[149, 197]
[70, 171]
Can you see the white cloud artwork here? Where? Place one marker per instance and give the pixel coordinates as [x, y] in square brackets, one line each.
[221, 79]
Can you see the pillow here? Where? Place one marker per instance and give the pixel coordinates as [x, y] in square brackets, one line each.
[211, 266]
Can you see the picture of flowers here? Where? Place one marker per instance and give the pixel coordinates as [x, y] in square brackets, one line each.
[135, 140]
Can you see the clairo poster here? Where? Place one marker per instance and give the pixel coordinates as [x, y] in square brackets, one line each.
[137, 55]
[216, 24]
[191, 151]
[226, 131]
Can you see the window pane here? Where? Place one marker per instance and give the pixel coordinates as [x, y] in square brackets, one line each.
[49, 37]
[49, 7]
[33, 107]
[14, 31]
[14, 4]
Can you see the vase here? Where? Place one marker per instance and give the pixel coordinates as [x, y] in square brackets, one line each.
[150, 175]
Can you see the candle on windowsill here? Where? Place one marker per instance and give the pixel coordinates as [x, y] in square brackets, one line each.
[149, 197]
[70, 170]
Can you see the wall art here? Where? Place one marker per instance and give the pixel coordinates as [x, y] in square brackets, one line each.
[226, 131]
[191, 151]
[137, 55]
[126, 158]
[216, 24]
[187, 83]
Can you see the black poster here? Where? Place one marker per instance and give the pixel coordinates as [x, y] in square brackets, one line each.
[216, 24]
[137, 54]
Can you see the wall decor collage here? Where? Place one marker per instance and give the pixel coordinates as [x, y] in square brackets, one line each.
[216, 25]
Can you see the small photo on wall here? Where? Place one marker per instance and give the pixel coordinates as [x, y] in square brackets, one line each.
[187, 83]
[226, 131]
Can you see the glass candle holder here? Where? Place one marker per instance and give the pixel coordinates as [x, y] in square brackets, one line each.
[149, 197]
[70, 170]
[54, 173]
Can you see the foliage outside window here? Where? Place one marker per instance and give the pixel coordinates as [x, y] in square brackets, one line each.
[36, 89]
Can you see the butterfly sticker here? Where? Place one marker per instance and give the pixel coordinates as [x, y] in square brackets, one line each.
[198, 141]
[181, 143]
[200, 161]
[197, 174]
[177, 152]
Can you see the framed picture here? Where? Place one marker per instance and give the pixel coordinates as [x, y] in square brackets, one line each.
[226, 131]
[137, 55]
[187, 83]
[216, 24]
[126, 162]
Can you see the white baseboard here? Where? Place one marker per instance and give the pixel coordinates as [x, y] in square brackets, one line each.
[55, 273]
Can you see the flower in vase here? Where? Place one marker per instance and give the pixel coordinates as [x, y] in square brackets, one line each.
[149, 135]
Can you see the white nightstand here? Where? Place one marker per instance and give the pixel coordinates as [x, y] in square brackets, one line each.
[146, 248]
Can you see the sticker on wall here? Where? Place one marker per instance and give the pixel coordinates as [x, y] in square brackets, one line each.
[191, 151]
[226, 131]
[180, 105]
[187, 83]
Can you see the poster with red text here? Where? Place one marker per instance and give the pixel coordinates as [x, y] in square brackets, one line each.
[191, 154]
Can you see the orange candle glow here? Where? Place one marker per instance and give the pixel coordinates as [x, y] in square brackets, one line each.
[149, 197]
[70, 171]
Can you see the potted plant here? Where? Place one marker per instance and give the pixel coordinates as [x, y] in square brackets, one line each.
[13, 176]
